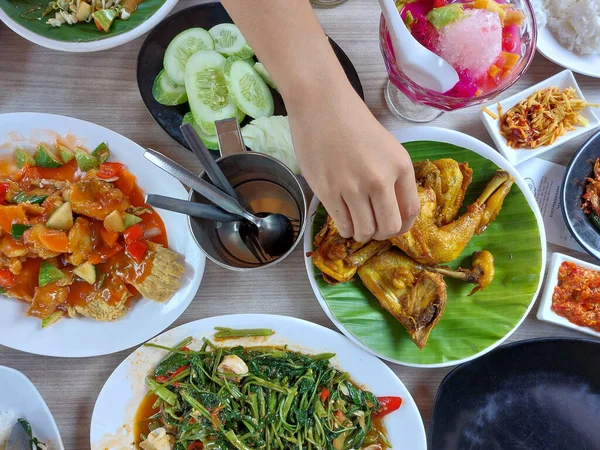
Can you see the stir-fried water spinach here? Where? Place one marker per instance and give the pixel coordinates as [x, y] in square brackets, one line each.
[257, 398]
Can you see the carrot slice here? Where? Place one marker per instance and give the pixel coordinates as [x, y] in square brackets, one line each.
[109, 237]
[11, 214]
[54, 240]
[126, 182]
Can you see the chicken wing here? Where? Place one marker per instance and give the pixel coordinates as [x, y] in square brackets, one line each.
[416, 297]
[431, 244]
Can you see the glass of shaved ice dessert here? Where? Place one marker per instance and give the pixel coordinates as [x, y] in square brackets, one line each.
[490, 44]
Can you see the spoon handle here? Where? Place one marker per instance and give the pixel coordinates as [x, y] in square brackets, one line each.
[189, 178]
[193, 209]
[213, 170]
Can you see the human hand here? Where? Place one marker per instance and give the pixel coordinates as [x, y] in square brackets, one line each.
[363, 176]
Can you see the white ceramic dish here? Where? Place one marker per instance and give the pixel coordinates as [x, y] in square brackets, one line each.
[426, 133]
[561, 80]
[91, 46]
[121, 395]
[82, 337]
[553, 50]
[19, 396]
[545, 312]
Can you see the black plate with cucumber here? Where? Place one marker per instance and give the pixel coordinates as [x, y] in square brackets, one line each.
[585, 228]
[195, 66]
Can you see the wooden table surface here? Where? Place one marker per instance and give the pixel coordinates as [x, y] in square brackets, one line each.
[101, 88]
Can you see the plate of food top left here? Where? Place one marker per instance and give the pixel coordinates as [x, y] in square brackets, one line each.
[86, 267]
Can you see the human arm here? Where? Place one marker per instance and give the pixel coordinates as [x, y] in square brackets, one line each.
[363, 176]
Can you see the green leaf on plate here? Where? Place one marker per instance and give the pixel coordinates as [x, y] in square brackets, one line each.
[28, 14]
[469, 324]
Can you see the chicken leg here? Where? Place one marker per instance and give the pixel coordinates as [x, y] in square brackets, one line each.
[431, 244]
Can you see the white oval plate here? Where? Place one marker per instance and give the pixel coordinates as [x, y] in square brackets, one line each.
[112, 421]
[81, 337]
[426, 133]
[91, 46]
[18, 395]
[553, 50]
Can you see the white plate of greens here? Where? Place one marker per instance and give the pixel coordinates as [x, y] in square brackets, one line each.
[218, 407]
[205, 36]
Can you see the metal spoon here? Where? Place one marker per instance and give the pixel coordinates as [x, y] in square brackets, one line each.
[193, 209]
[275, 231]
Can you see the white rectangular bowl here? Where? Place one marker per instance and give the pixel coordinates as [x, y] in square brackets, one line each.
[545, 312]
[562, 80]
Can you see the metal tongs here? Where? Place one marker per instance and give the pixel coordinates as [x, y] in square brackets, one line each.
[270, 235]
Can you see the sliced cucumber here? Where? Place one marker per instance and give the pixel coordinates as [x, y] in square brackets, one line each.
[211, 141]
[66, 154]
[46, 158]
[56, 315]
[181, 48]
[101, 153]
[166, 92]
[207, 90]
[85, 161]
[22, 158]
[62, 218]
[130, 219]
[230, 41]
[87, 272]
[114, 222]
[49, 274]
[105, 18]
[262, 71]
[248, 90]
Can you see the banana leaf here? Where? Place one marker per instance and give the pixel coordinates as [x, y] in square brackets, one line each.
[28, 13]
[469, 324]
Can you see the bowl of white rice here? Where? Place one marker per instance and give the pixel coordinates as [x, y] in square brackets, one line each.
[569, 33]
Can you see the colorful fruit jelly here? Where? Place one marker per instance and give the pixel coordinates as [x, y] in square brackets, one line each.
[480, 39]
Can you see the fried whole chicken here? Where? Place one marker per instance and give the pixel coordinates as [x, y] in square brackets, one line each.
[408, 281]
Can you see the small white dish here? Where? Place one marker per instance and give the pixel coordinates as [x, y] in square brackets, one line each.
[562, 80]
[545, 312]
[117, 404]
[553, 50]
[19, 396]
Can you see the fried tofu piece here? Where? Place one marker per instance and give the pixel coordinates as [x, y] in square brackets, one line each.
[96, 306]
[80, 242]
[95, 198]
[165, 275]
[46, 299]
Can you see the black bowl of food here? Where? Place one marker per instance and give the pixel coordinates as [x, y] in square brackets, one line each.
[169, 47]
[580, 196]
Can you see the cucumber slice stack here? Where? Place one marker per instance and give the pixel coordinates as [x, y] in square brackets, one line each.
[214, 71]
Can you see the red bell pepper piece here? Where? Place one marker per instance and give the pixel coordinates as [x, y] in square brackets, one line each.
[137, 250]
[324, 394]
[133, 233]
[110, 170]
[3, 190]
[7, 279]
[386, 406]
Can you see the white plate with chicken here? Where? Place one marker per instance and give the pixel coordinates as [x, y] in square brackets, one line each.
[86, 267]
[455, 286]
